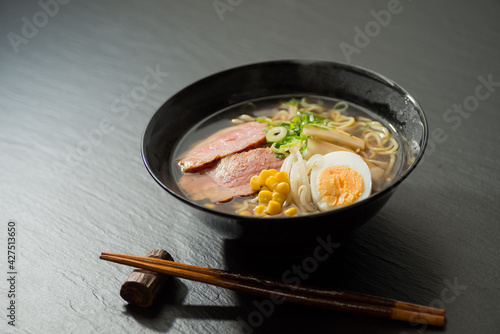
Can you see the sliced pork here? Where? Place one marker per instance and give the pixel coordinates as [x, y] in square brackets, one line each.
[230, 177]
[230, 140]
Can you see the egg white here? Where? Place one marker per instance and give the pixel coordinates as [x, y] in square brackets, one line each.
[340, 158]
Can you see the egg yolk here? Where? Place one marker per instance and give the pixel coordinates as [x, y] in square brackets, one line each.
[339, 185]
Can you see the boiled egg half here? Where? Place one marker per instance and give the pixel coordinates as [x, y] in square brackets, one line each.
[339, 179]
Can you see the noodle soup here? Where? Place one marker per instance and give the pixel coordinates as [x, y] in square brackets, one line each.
[324, 154]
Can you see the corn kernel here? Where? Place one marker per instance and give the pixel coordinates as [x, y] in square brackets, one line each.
[265, 188]
[265, 196]
[255, 183]
[280, 198]
[259, 209]
[271, 182]
[264, 175]
[245, 213]
[282, 176]
[273, 208]
[273, 171]
[282, 188]
[291, 211]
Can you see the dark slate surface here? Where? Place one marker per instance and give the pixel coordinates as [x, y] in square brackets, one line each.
[68, 81]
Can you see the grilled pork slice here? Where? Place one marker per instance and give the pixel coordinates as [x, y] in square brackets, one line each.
[230, 177]
[231, 140]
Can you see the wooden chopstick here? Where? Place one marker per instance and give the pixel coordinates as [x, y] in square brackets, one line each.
[338, 294]
[267, 287]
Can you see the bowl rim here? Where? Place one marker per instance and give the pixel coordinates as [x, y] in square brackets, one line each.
[288, 220]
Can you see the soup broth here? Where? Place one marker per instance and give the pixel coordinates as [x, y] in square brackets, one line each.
[332, 125]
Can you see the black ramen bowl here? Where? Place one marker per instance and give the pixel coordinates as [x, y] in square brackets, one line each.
[276, 78]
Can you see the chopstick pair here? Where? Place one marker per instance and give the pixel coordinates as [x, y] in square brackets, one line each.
[271, 288]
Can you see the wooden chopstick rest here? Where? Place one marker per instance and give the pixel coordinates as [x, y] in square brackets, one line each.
[142, 286]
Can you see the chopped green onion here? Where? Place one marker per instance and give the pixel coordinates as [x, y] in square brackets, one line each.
[276, 149]
[285, 135]
[276, 134]
[262, 120]
[292, 102]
